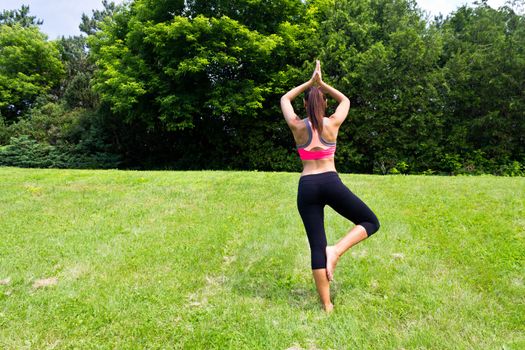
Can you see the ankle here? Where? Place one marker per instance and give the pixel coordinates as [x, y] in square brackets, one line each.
[337, 251]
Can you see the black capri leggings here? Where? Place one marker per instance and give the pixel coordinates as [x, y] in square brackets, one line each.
[317, 190]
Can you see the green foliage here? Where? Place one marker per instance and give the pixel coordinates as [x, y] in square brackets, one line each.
[258, 15]
[209, 74]
[207, 69]
[4, 131]
[47, 124]
[20, 17]
[196, 84]
[187, 74]
[26, 152]
[53, 136]
[400, 168]
[485, 70]
[384, 57]
[451, 163]
[29, 67]
[513, 168]
[79, 93]
[91, 25]
[76, 87]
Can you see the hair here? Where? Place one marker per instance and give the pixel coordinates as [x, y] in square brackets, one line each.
[315, 107]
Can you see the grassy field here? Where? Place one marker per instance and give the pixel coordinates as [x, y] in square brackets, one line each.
[217, 260]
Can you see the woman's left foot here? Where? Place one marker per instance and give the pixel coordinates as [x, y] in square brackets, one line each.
[331, 261]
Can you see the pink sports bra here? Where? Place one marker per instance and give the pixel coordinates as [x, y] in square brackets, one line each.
[314, 155]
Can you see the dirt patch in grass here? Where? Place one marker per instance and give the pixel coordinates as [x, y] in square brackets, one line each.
[45, 282]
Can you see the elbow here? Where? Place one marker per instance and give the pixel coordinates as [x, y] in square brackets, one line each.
[344, 101]
[347, 101]
[285, 100]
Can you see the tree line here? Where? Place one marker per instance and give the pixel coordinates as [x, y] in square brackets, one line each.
[161, 84]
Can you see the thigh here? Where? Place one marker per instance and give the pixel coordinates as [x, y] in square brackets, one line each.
[312, 214]
[313, 220]
[347, 204]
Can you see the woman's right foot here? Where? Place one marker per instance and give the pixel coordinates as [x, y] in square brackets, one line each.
[331, 261]
[328, 308]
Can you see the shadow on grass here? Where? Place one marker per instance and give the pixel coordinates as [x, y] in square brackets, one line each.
[275, 280]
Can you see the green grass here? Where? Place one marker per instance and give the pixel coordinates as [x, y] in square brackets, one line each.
[218, 260]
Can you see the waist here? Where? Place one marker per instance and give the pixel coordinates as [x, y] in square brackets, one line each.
[319, 177]
[318, 166]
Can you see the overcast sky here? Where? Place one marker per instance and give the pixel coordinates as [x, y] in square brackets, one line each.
[62, 17]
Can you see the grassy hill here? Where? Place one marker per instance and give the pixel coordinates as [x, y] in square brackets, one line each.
[217, 260]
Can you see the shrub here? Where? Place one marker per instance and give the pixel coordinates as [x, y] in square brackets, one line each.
[26, 152]
[53, 136]
[513, 168]
[4, 131]
[451, 163]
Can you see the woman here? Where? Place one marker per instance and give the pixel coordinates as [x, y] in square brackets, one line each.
[320, 184]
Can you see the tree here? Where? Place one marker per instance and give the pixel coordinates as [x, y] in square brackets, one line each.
[91, 25]
[485, 69]
[384, 57]
[205, 78]
[29, 67]
[21, 17]
[196, 84]
[76, 86]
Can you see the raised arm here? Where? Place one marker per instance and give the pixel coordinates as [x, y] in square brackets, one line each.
[292, 119]
[286, 100]
[342, 109]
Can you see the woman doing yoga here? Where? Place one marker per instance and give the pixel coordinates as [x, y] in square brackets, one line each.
[319, 184]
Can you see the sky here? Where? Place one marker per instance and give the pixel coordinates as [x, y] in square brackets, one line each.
[435, 7]
[62, 17]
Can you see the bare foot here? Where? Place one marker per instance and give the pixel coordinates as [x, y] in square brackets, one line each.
[329, 308]
[331, 261]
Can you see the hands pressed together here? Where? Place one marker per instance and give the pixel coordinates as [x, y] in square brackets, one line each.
[316, 78]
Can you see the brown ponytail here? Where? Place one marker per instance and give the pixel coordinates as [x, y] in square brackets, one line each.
[315, 107]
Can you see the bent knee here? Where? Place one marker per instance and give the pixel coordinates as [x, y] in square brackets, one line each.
[371, 226]
[377, 225]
